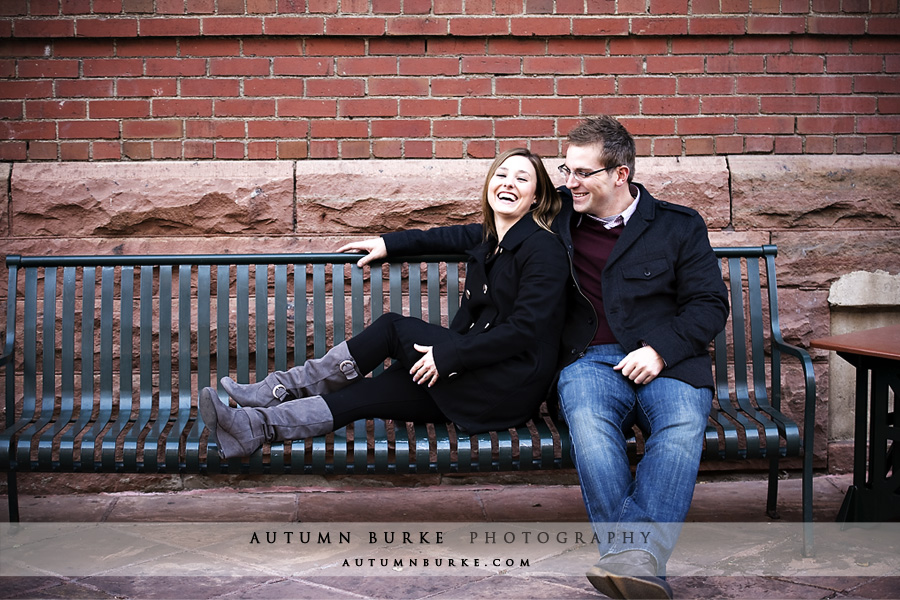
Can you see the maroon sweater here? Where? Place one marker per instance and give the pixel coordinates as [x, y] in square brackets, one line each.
[593, 244]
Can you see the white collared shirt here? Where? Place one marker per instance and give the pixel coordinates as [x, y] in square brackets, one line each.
[622, 217]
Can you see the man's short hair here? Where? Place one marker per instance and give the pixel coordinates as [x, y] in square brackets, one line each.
[615, 143]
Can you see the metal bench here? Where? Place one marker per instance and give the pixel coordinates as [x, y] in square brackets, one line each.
[104, 356]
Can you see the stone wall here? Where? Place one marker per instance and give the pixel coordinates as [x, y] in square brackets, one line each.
[830, 216]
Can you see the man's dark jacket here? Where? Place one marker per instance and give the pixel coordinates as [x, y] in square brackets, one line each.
[661, 287]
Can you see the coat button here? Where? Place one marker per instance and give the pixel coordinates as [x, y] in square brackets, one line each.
[488, 324]
[647, 273]
[484, 289]
[468, 294]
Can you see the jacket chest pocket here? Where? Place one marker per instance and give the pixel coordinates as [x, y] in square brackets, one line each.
[649, 270]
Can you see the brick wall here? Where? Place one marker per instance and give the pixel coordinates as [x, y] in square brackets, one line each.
[288, 79]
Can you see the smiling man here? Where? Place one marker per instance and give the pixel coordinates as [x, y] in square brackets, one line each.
[646, 298]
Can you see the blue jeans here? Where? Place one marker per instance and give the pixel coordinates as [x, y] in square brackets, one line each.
[644, 511]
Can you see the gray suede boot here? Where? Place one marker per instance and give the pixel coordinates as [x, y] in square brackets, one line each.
[241, 431]
[315, 377]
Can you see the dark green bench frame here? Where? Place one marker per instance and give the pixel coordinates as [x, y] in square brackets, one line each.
[70, 421]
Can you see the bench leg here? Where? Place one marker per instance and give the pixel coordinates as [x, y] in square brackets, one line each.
[13, 492]
[772, 498]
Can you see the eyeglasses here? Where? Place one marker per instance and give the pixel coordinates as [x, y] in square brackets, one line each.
[581, 175]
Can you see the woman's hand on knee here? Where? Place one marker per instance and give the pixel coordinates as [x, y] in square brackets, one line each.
[374, 248]
[425, 372]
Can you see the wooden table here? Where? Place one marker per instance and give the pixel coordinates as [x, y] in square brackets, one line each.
[875, 493]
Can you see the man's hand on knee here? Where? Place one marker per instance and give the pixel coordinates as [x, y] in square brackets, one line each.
[641, 365]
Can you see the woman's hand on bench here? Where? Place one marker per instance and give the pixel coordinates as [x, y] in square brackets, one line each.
[373, 247]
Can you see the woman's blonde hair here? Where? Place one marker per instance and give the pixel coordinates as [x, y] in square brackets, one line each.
[547, 202]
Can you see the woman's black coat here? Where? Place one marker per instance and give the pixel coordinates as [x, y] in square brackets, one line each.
[499, 357]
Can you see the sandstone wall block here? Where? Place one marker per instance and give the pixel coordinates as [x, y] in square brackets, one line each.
[151, 199]
[816, 192]
[5, 169]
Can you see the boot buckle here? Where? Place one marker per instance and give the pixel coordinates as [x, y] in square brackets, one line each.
[279, 391]
[348, 368]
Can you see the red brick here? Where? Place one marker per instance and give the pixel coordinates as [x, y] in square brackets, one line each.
[455, 46]
[610, 105]
[13, 150]
[238, 66]
[44, 7]
[170, 128]
[273, 87]
[418, 148]
[230, 150]
[302, 66]
[765, 84]
[354, 149]
[166, 150]
[323, 149]
[199, 149]
[467, 86]
[368, 26]
[519, 46]
[43, 151]
[262, 6]
[19, 47]
[178, 107]
[725, 105]
[489, 107]
[702, 146]
[879, 144]
[889, 105]
[402, 128]
[415, 7]
[391, 7]
[735, 6]
[168, 27]
[717, 25]
[113, 67]
[540, 26]
[759, 144]
[75, 151]
[432, 66]
[783, 25]
[303, 107]
[230, 7]
[232, 25]
[292, 149]
[417, 26]
[323, 6]
[766, 6]
[850, 145]
[668, 7]
[170, 7]
[88, 130]
[48, 68]
[366, 66]
[443, 7]
[703, 45]
[551, 106]
[879, 124]
[733, 144]
[106, 27]
[398, 86]
[429, 107]
[519, 127]
[106, 150]
[667, 147]
[735, 64]
[14, 7]
[472, 26]
[795, 64]
[241, 107]
[119, 109]
[821, 45]
[676, 105]
[262, 150]
[883, 26]
[613, 65]
[145, 87]
[107, 6]
[836, 25]
[658, 86]
[705, 86]
[825, 84]
[210, 87]
[819, 144]
[638, 46]
[602, 26]
[10, 110]
[851, 105]
[675, 64]
[586, 86]
[527, 86]
[27, 130]
[788, 145]
[43, 29]
[803, 105]
[875, 84]
[765, 45]
[338, 129]
[28, 89]
[354, 6]
[554, 65]
[218, 128]
[367, 107]
[770, 125]
[830, 124]
[277, 129]
[387, 149]
[854, 64]
[659, 26]
[175, 67]
[341, 88]
[462, 127]
[495, 65]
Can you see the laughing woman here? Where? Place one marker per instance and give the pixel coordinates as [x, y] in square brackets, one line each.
[490, 370]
